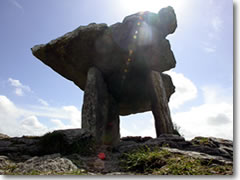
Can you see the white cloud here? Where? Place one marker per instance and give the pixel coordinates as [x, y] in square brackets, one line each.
[19, 87]
[217, 23]
[74, 115]
[213, 118]
[185, 90]
[31, 126]
[8, 111]
[58, 124]
[16, 121]
[43, 102]
[14, 82]
[141, 124]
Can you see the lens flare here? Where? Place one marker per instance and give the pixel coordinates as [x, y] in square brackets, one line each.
[130, 52]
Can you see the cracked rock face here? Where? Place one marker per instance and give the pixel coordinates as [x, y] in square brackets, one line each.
[210, 151]
[125, 53]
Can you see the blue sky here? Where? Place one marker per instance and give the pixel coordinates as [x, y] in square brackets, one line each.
[34, 99]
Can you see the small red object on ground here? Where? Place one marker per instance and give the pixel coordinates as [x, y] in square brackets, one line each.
[101, 156]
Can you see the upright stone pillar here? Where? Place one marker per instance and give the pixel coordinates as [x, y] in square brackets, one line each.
[159, 105]
[100, 113]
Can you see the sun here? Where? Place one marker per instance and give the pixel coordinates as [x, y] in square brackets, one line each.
[133, 6]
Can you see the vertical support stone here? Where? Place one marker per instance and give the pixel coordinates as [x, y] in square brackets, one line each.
[100, 113]
[159, 105]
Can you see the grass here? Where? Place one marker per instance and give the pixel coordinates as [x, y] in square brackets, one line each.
[200, 141]
[162, 162]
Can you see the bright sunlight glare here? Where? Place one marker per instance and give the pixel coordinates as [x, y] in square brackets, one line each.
[133, 6]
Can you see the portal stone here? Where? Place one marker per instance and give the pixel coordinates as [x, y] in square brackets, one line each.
[100, 111]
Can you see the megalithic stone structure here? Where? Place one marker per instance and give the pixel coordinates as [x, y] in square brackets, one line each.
[119, 68]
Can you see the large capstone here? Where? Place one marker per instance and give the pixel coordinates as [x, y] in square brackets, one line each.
[124, 52]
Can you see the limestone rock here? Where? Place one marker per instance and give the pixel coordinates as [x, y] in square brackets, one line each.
[125, 53]
[44, 165]
[60, 141]
[52, 164]
[203, 156]
[208, 150]
[178, 142]
[159, 106]
[100, 114]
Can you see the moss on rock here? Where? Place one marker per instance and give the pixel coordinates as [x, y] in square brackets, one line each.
[163, 162]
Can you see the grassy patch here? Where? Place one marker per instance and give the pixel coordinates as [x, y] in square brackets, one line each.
[162, 162]
[200, 141]
[144, 160]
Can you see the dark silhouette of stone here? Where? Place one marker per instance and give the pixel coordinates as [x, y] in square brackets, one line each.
[100, 114]
[125, 55]
[159, 104]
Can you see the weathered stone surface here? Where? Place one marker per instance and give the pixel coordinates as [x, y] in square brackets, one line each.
[15, 146]
[100, 114]
[178, 142]
[133, 101]
[159, 106]
[140, 38]
[46, 164]
[67, 142]
[206, 149]
[60, 141]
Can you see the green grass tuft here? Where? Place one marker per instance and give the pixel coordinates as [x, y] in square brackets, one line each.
[162, 162]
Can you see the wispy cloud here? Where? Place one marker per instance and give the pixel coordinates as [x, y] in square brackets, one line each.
[17, 4]
[215, 19]
[43, 102]
[209, 47]
[217, 23]
[19, 87]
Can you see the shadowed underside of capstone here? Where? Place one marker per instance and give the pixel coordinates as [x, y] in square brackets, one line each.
[128, 59]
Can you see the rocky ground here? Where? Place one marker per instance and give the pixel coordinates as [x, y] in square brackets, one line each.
[73, 152]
